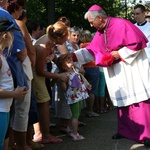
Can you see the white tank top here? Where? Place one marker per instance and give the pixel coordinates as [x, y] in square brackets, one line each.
[6, 83]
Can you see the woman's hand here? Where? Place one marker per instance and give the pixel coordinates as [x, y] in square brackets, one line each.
[63, 77]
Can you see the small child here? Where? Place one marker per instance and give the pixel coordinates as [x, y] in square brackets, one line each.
[7, 92]
[75, 91]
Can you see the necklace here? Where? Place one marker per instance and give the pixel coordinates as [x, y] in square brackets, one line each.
[105, 36]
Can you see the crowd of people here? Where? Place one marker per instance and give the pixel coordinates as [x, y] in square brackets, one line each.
[70, 69]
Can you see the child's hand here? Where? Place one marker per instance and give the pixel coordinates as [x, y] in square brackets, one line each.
[20, 92]
[89, 87]
[82, 71]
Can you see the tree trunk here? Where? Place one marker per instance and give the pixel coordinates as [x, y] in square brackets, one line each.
[51, 11]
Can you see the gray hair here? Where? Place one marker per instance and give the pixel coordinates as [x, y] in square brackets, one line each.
[94, 14]
[74, 29]
[86, 36]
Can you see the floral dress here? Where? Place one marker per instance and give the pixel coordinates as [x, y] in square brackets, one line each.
[76, 89]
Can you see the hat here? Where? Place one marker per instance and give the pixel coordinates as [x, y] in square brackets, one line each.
[7, 25]
[95, 7]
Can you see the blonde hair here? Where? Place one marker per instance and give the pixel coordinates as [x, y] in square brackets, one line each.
[8, 41]
[57, 30]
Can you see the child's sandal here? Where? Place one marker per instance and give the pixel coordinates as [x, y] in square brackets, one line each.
[76, 137]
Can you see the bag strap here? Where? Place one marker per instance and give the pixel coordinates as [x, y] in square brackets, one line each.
[86, 83]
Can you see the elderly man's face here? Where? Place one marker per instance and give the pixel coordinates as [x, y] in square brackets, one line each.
[97, 22]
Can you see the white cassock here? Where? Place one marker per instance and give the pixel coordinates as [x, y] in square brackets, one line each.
[129, 80]
[146, 30]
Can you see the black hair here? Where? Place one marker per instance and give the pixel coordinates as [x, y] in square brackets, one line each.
[11, 6]
[140, 6]
[33, 25]
[23, 15]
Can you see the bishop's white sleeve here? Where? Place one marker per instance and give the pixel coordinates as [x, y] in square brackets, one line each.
[83, 56]
[128, 55]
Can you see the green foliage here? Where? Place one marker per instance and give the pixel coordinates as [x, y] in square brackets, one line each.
[131, 8]
[147, 7]
[36, 9]
[73, 9]
[76, 9]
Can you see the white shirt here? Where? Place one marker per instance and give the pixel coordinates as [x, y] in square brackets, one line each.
[6, 83]
[146, 30]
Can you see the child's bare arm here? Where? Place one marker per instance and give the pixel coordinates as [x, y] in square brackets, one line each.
[82, 71]
[19, 92]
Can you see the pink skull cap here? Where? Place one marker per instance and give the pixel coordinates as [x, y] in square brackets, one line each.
[95, 7]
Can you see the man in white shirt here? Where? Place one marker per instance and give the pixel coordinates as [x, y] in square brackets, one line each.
[36, 30]
[142, 24]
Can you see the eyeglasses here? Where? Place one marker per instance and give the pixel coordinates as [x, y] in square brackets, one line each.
[92, 22]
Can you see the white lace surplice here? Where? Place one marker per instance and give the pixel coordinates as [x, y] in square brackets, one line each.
[128, 81]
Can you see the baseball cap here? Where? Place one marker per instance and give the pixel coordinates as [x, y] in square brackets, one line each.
[7, 25]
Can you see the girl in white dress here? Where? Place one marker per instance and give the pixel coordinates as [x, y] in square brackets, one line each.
[75, 91]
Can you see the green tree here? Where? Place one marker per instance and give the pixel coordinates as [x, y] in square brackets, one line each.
[36, 12]
[51, 10]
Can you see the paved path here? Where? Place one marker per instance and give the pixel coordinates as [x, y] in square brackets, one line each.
[97, 133]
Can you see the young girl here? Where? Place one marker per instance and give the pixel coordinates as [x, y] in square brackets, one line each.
[7, 92]
[75, 91]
